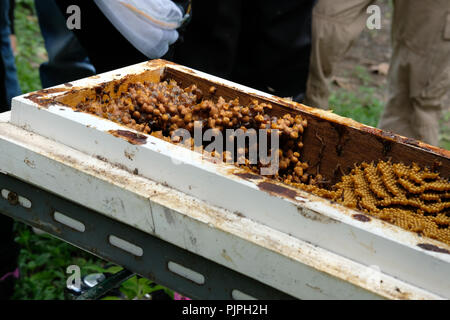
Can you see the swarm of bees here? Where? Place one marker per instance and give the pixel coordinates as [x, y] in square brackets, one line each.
[161, 108]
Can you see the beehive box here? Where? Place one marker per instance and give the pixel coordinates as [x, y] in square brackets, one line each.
[332, 147]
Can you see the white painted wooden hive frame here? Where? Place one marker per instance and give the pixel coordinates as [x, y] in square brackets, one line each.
[420, 263]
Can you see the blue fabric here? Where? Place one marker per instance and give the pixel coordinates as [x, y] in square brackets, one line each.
[68, 60]
[10, 84]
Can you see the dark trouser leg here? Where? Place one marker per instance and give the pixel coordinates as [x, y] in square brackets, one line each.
[277, 46]
[9, 85]
[68, 60]
[105, 46]
[259, 44]
[210, 41]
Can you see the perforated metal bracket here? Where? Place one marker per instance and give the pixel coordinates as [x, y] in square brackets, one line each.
[139, 252]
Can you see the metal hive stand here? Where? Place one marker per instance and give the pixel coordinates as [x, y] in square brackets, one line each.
[219, 281]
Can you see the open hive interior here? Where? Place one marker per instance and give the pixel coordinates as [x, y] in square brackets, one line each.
[396, 181]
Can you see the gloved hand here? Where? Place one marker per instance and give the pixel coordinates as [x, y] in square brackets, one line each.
[149, 25]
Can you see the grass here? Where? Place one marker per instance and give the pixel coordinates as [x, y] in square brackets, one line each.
[30, 46]
[43, 261]
[361, 106]
[445, 131]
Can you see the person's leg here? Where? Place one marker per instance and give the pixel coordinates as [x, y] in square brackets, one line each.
[106, 48]
[4, 101]
[210, 41]
[396, 114]
[9, 85]
[420, 69]
[336, 25]
[275, 46]
[67, 60]
[260, 45]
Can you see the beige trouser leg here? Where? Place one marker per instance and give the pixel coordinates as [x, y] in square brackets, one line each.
[419, 76]
[336, 25]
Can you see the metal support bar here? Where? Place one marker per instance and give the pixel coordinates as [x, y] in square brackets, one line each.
[139, 252]
[105, 286]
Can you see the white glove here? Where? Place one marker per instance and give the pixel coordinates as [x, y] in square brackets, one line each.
[149, 25]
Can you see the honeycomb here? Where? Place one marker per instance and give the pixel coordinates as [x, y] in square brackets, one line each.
[413, 198]
[410, 197]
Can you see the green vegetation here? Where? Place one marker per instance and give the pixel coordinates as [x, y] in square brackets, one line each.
[363, 75]
[43, 261]
[445, 131]
[30, 46]
[361, 106]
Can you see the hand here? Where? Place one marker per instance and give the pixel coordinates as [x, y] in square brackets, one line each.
[150, 25]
